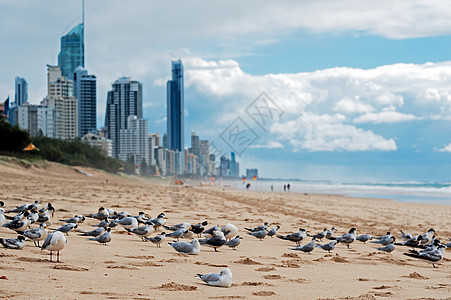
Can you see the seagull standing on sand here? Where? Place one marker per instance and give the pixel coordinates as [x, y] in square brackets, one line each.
[176, 234]
[191, 248]
[216, 241]
[223, 279]
[233, 243]
[37, 234]
[405, 236]
[364, 238]
[348, 238]
[55, 241]
[76, 219]
[157, 240]
[17, 243]
[128, 222]
[67, 227]
[258, 228]
[95, 232]
[433, 256]
[390, 247]
[143, 231]
[104, 238]
[296, 237]
[330, 233]
[329, 246]
[427, 237]
[321, 235]
[20, 224]
[229, 231]
[307, 248]
[199, 228]
[260, 234]
[101, 214]
[273, 231]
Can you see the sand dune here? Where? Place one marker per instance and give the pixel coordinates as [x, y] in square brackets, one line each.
[131, 269]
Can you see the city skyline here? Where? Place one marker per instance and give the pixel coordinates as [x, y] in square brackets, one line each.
[352, 88]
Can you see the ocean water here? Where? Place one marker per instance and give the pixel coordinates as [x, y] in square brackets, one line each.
[417, 192]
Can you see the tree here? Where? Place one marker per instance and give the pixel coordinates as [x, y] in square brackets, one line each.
[144, 168]
[129, 166]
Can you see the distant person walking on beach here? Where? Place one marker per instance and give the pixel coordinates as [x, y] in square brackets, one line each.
[272, 188]
[288, 187]
[284, 188]
[248, 186]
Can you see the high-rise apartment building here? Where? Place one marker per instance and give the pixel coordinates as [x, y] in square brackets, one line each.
[21, 91]
[154, 141]
[124, 100]
[60, 97]
[72, 52]
[85, 90]
[37, 119]
[175, 108]
[134, 141]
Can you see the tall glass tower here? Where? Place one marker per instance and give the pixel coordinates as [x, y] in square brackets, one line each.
[85, 90]
[175, 108]
[21, 95]
[72, 52]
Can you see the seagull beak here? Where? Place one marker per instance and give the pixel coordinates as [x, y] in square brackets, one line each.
[147, 215]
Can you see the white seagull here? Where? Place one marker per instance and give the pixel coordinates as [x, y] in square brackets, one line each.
[55, 241]
[223, 279]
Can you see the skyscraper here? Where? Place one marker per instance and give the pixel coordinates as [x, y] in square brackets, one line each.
[60, 98]
[85, 92]
[124, 99]
[175, 108]
[72, 52]
[21, 95]
[134, 141]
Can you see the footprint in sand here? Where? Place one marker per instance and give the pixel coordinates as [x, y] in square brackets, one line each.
[174, 287]
[264, 293]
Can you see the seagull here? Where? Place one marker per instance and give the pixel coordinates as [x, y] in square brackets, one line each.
[296, 237]
[101, 214]
[364, 238]
[229, 231]
[405, 236]
[427, 236]
[413, 242]
[177, 234]
[209, 231]
[258, 228]
[329, 246]
[385, 240]
[104, 238]
[26, 207]
[33, 216]
[55, 241]
[2, 217]
[199, 228]
[120, 215]
[143, 231]
[433, 256]
[307, 248]
[157, 239]
[273, 231]
[142, 217]
[216, 241]
[260, 234]
[192, 248]
[128, 222]
[348, 238]
[233, 243]
[95, 232]
[76, 219]
[330, 233]
[223, 279]
[37, 234]
[66, 228]
[321, 235]
[184, 225]
[160, 220]
[18, 243]
[390, 247]
[381, 237]
[46, 215]
[104, 223]
[19, 225]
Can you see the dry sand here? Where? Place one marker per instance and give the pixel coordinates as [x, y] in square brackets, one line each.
[128, 268]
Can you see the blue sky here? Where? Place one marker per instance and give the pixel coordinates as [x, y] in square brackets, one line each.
[365, 88]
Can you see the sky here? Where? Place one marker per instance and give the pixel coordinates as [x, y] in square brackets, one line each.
[341, 90]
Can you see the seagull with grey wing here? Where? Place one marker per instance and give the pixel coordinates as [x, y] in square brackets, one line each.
[364, 238]
[54, 241]
[157, 240]
[67, 227]
[329, 246]
[296, 237]
[321, 235]
[433, 256]
[191, 248]
[307, 248]
[384, 240]
[273, 231]
[260, 234]
[223, 279]
[390, 247]
[348, 238]
[143, 231]
[76, 219]
[215, 242]
[233, 243]
[258, 228]
[37, 234]
[95, 232]
[103, 238]
[17, 243]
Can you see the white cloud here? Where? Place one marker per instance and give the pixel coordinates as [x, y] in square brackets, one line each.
[349, 106]
[314, 132]
[447, 148]
[270, 145]
[384, 117]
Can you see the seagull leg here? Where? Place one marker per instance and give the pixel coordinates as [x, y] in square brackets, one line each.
[51, 256]
[347, 246]
[216, 250]
[433, 265]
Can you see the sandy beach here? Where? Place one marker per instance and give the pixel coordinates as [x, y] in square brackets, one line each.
[128, 268]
